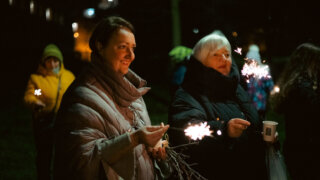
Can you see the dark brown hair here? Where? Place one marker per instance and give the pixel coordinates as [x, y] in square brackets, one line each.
[303, 62]
[104, 30]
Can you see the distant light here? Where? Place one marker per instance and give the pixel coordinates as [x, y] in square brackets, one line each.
[31, 7]
[75, 26]
[104, 4]
[89, 13]
[275, 90]
[110, 0]
[234, 34]
[48, 14]
[195, 30]
[10, 2]
[76, 35]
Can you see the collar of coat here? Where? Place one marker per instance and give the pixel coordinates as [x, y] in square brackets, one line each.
[204, 80]
[44, 72]
[124, 89]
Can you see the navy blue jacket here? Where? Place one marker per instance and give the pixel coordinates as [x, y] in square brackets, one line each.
[207, 95]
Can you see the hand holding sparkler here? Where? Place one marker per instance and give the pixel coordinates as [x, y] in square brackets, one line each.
[159, 150]
[148, 135]
[236, 126]
[38, 104]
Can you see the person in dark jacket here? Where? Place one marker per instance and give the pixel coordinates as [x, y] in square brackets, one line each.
[211, 93]
[299, 101]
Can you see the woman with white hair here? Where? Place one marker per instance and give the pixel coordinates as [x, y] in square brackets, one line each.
[211, 93]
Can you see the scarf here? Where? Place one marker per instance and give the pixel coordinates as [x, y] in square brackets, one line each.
[124, 88]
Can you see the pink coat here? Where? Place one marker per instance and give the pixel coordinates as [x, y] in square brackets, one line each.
[93, 124]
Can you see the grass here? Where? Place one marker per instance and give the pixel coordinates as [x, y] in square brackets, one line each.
[17, 145]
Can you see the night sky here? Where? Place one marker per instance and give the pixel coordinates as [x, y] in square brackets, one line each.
[278, 26]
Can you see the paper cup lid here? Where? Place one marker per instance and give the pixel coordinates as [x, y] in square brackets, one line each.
[270, 122]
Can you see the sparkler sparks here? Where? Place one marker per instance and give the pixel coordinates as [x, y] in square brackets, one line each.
[276, 89]
[252, 68]
[198, 131]
[238, 50]
[37, 92]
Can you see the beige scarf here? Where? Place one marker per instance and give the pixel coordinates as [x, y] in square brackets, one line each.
[125, 89]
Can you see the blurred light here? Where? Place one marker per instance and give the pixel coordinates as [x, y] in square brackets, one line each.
[219, 132]
[110, 0]
[234, 34]
[276, 89]
[89, 13]
[195, 30]
[48, 14]
[76, 35]
[104, 4]
[10, 2]
[75, 26]
[31, 7]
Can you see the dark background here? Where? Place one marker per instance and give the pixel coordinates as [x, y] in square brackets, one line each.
[277, 26]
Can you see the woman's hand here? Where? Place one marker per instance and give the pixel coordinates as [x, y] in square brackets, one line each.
[38, 105]
[236, 127]
[158, 153]
[149, 135]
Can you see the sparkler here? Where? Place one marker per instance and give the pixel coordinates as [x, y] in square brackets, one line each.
[37, 92]
[238, 50]
[182, 170]
[198, 131]
[252, 69]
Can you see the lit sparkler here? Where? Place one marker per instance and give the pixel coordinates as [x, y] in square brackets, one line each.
[252, 69]
[198, 131]
[37, 92]
[238, 50]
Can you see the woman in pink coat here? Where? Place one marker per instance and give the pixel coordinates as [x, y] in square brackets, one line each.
[103, 127]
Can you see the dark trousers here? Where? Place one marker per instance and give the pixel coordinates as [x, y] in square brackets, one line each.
[43, 134]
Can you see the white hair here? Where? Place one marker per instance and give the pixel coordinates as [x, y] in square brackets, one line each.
[208, 45]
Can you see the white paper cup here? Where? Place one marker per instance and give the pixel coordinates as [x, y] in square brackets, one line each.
[269, 130]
